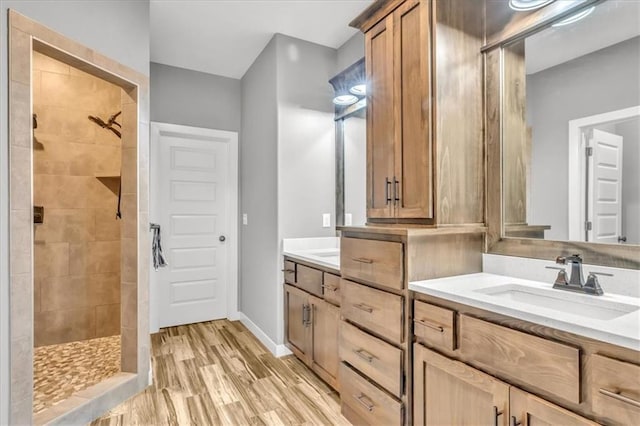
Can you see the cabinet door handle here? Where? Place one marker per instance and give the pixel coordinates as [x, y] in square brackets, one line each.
[363, 307]
[362, 260]
[496, 414]
[430, 325]
[361, 399]
[364, 355]
[514, 421]
[396, 190]
[387, 193]
[304, 315]
[620, 397]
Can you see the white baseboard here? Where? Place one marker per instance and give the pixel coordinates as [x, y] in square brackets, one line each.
[277, 350]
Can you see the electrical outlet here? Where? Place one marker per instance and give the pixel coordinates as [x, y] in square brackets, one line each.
[348, 219]
[245, 219]
[326, 220]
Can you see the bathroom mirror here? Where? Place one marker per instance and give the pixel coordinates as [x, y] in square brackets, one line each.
[571, 128]
[351, 145]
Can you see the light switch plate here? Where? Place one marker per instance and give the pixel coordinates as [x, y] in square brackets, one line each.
[326, 220]
[245, 219]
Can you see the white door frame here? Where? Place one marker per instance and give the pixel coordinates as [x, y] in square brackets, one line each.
[577, 144]
[157, 130]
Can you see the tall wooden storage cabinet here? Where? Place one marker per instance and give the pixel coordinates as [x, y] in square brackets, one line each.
[424, 111]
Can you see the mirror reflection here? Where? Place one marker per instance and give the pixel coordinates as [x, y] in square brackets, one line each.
[355, 168]
[571, 130]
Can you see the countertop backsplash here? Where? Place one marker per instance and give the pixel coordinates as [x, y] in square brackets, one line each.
[624, 281]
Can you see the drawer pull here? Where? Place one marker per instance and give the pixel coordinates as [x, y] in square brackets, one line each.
[361, 399]
[289, 271]
[430, 325]
[619, 397]
[496, 414]
[364, 355]
[361, 260]
[363, 307]
[330, 287]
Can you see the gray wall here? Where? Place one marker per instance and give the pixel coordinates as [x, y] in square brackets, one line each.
[306, 138]
[192, 98]
[599, 82]
[630, 132]
[259, 193]
[350, 51]
[120, 30]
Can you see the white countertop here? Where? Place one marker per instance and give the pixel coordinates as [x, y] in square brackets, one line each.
[323, 251]
[623, 330]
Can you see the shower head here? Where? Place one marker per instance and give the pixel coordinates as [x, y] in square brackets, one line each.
[100, 122]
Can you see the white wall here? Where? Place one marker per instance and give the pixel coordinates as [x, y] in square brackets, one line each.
[599, 82]
[119, 30]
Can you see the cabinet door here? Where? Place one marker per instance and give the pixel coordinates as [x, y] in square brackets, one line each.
[529, 410]
[297, 321]
[448, 392]
[412, 186]
[324, 349]
[380, 116]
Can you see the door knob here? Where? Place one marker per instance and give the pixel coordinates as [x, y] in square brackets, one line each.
[222, 238]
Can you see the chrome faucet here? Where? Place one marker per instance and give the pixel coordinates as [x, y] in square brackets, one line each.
[576, 279]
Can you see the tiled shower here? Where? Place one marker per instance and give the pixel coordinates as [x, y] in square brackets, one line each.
[76, 175]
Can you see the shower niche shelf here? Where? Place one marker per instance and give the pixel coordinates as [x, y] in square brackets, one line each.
[111, 181]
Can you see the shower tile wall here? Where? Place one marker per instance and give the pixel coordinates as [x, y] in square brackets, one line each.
[75, 166]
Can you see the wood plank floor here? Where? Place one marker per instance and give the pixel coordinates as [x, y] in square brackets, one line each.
[218, 373]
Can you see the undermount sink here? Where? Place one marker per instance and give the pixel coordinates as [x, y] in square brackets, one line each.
[577, 304]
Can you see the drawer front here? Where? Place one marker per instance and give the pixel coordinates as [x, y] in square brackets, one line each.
[289, 272]
[309, 279]
[332, 288]
[539, 362]
[375, 310]
[376, 262]
[371, 356]
[615, 390]
[369, 404]
[433, 325]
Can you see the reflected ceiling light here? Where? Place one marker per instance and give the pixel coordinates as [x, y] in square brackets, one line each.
[575, 18]
[523, 5]
[359, 89]
[344, 100]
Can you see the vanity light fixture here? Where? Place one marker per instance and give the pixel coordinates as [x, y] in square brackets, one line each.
[575, 18]
[359, 89]
[344, 100]
[524, 5]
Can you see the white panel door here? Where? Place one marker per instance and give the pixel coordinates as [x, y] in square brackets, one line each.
[193, 186]
[605, 188]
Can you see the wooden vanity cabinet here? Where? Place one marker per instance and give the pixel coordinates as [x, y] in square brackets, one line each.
[448, 392]
[325, 319]
[424, 111]
[297, 322]
[526, 409]
[311, 322]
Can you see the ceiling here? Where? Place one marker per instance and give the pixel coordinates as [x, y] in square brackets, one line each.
[224, 37]
[610, 23]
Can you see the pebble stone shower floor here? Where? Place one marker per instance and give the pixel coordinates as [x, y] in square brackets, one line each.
[61, 370]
